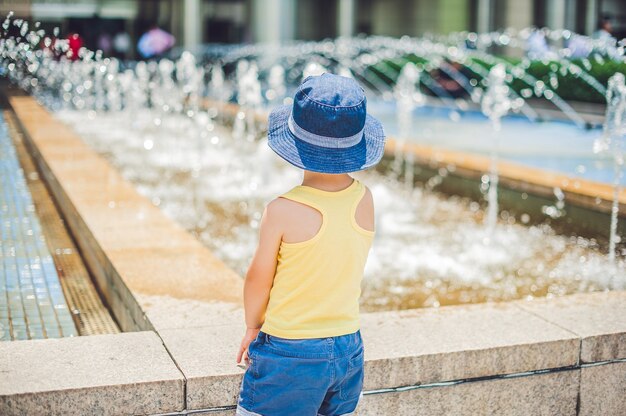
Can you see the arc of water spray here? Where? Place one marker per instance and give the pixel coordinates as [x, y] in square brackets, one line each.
[495, 104]
[408, 97]
[542, 88]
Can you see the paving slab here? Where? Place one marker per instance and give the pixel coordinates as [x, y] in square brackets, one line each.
[457, 342]
[113, 374]
[185, 273]
[603, 389]
[206, 356]
[168, 312]
[548, 394]
[599, 318]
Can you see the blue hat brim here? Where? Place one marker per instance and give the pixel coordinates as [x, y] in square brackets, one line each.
[304, 155]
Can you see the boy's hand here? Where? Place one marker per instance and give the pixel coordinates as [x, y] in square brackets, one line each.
[251, 334]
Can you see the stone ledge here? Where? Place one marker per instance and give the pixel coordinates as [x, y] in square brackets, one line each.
[457, 342]
[598, 318]
[552, 393]
[128, 373]
[401, 348]
[169, 312]
[542, 394]
[578, 191]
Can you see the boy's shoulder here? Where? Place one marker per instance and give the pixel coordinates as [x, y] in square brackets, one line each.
[284, 213]
[368, 198]
[288, 204]
[280, 205]
[283, 202]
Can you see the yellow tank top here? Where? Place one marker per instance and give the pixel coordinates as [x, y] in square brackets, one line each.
[318, 281]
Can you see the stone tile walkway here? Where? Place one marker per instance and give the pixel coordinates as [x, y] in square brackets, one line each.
[32, 304]
[90, 314]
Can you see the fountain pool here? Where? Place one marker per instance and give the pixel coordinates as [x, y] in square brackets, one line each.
[430, 250]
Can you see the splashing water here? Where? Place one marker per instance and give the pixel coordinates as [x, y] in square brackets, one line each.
[495, 104]
[408, 96]
[427, 252]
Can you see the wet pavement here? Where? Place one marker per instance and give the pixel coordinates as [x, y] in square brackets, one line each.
[32, 303]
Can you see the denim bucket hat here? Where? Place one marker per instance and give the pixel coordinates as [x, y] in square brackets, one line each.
[327, 129]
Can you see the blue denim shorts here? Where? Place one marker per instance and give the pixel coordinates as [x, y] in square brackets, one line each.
[305, 377]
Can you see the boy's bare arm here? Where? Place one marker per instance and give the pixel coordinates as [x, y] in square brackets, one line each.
[260, 276]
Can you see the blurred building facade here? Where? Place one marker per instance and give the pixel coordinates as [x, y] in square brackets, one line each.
[193, 22]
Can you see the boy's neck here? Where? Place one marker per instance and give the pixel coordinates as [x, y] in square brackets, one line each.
[327, 181]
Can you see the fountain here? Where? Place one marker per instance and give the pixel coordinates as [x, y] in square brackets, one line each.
[152, 122]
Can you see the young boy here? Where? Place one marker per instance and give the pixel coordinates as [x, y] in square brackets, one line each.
[303, 342]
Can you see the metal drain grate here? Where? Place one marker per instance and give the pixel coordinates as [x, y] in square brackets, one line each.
[90, 315]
